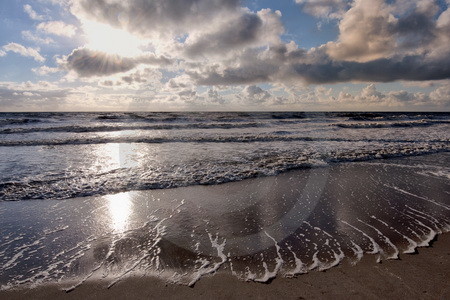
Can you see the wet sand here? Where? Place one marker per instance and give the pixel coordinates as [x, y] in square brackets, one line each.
[263, 229]
[425, 275]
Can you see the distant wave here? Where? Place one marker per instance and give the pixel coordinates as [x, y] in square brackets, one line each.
[4, 122]
[388, 116]
[110, 128]
[421, 123]
[281, 137]
[195, 117]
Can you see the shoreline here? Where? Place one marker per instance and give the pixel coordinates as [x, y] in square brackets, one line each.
[330, 217]
[423, 275]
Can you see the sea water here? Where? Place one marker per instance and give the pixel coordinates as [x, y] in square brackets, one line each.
[65, 155]
[182, 195]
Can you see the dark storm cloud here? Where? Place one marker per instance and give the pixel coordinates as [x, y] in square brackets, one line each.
[318, 68]
[416, 30]
[247, 74]
[413, 68]
[88, 62]
[242, 31]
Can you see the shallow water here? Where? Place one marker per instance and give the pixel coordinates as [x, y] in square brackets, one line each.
[256, 229]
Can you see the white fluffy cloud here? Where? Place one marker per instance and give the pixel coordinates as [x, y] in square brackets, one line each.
[32, 13]
[374, 29]
[57, 28]
[33, 37]
[24, 51]
[45, 70]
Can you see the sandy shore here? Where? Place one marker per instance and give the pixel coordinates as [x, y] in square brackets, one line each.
[251, 227]
[425, 275]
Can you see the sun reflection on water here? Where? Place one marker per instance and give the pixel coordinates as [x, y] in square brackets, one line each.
[112, 157]
[120, 207]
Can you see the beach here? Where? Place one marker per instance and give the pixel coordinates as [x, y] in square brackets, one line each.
[225, 149]
[190, 204]
[348, 229]
[420, 276]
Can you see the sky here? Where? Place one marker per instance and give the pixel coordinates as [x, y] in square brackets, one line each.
[216, 55]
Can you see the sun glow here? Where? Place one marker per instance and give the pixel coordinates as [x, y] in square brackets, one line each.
[111, 40]
[120, 207]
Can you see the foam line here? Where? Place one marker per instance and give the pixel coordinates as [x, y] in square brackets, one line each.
[268, 275]
[428, 237]
[387, 240]
[375, 246]
[417, 196]
[359, 252]
[300, 267]
[412, 244]
[203, 270]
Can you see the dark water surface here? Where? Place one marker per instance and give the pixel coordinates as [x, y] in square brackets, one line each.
[68, 155]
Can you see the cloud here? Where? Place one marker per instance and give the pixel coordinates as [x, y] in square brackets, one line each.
[86, 62]
[149, 17]
[31, 13]
[28, 35]
[316, 67]
[141, 78]
[199, 47]
[324, 8]
[57, 28]
[366, 98]
[374, 29]
[90, 63]
[2, 53]
[45, 70]
[441, 94]
[255, 94]
[371, 97]
[246, 29]
[365, 32]
[27, 96]
[194, 29]
[24, 51]
[380, 70]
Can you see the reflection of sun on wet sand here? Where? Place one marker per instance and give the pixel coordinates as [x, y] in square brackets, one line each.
[254, 230]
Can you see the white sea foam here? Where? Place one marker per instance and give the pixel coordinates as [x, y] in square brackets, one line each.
[206, 266]
[419, 197]
[412, 244]
[375, 247]
[386, 239]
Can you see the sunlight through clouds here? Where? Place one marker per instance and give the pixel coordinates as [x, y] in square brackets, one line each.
[98, 49]
[110, 40]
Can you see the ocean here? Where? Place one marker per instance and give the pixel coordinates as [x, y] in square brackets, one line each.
[179, 196]
[66, 155]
